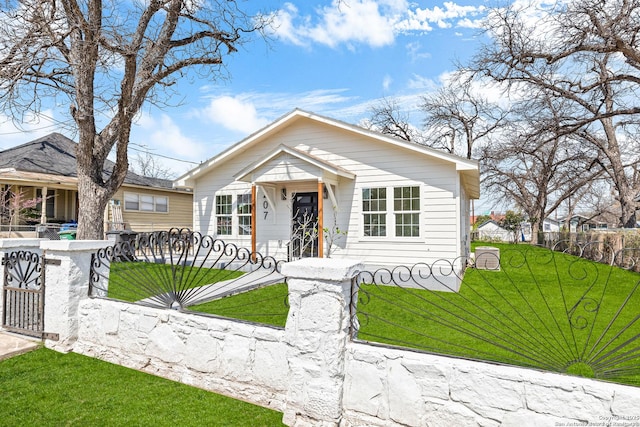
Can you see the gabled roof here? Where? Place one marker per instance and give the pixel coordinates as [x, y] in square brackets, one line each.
[468, 168]
[488, 222]
[307, 158]
[55, 155]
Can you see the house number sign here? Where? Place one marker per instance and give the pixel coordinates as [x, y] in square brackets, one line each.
[265, 206]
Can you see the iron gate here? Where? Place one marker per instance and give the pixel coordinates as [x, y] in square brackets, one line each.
[23, 292]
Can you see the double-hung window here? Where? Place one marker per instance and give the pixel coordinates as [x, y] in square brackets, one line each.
[374, 210]
[391, 212]
[406, 208]
[244, 214]
[145, 203]
[223, 214]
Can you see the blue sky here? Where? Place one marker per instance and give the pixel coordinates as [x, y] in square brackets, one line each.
[335, 58]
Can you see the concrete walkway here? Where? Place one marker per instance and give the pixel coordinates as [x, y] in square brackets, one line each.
[13, 345]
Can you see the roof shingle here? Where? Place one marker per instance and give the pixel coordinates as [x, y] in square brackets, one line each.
[55, 154]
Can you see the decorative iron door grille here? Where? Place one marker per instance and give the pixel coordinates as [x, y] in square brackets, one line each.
[304, 226]
[23, 290]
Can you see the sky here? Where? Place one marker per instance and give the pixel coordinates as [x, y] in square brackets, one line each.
[334, 58]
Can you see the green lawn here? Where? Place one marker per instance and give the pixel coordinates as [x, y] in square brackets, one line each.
[265, 305]
[46, 388]
[133, 281]
[543, 309]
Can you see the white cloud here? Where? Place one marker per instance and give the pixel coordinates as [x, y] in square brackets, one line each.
[356, 21]
[421, 83]
[386, 82]
[470, 23]
[234, 113]
[271, 105]
[415, 52]
[536, 15]
[450, 15]
[162, 135]
[30, 127]
[370, 22]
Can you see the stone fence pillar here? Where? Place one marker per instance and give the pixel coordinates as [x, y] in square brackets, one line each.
[14, 245]
[317, 332]
[67, 282]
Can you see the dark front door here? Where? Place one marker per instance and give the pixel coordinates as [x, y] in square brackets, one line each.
[304, 229]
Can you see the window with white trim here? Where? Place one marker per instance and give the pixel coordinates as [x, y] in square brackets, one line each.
[145, 203]
[374, 211]
[244, 214]
[406, 208]
[391, 212]
[224, 210]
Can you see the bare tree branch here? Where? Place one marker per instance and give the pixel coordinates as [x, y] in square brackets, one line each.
[109, 59]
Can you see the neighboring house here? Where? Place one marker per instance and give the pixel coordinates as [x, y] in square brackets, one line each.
[581, 223]
[394, 202]
[47, 167]
[492, 231]
[550, 225]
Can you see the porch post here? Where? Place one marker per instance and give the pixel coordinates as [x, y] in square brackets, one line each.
[320, 219]
[253, 219]
[43, 204]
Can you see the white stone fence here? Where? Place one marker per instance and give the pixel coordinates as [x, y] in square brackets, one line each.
[311, 370]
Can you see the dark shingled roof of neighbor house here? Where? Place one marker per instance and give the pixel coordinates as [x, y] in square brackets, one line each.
[55, 154]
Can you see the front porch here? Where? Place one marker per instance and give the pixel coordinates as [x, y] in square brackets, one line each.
[289, 193]
[27, 206]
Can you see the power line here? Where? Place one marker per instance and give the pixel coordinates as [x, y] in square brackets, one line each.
[161, 155]
[56, 123]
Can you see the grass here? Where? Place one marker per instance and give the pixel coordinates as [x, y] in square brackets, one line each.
[544, 310]
[133, 281]
[46, 388]
[265, 305]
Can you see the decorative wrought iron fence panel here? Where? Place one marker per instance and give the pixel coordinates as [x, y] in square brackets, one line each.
[23, 289]
[179, 269]
[524, 305]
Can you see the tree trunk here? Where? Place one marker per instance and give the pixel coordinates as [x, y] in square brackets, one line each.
[93, 199]
[628, 210]
[535, 228]
[624, 187]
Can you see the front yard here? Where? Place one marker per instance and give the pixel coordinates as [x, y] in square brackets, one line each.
[46, 388]
[543, 309]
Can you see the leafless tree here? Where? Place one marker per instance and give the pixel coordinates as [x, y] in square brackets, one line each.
[106, 60]
[146, 165]
[388, 118]
[457, 117]
[587, 54]
[534, 165]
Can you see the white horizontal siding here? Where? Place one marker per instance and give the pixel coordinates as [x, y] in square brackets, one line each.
[286, 169]
[374, 163]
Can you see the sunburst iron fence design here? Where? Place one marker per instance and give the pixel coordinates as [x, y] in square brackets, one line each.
[178, 269]
[525, 306]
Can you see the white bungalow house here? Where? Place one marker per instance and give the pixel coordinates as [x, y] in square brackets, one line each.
[379, 199]
[492, 231]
